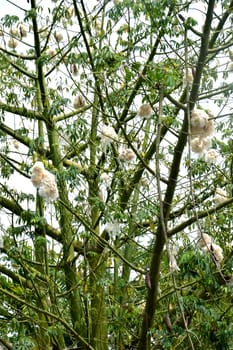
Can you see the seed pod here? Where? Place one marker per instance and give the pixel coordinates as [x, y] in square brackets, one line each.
[168, 323]
[23, 31]
[14, 31]
[78, 102]
[69, 12]
[16, 144]
[58, 37]
[145, 111]
[43, 33]
[51, 52]
[12, 43]
[147, 280]
[74, 69]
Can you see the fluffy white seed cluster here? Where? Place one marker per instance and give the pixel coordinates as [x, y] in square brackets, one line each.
[69, 12]
[202, 128]
[37, 174]
[74, 69]
[201, 125]
[230, 64]
[220, 195]
[145, 111]
[206, 242]
[43, 33]
[104, 177]
[113, 227]
[58, 36]
[189, 76]
[44, 181]
[78, 102]
[231, 55]
[126, 155]
[198, 145]
[173, 263]
[108, 135]
[23, 31]
[51, 51]
[217, 251]
[14, 31]
[12, 43]
[211, 156]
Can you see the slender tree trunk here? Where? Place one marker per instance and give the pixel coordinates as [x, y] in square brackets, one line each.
[97, 266]
[99, 338]
[144, 342]
[65, 218]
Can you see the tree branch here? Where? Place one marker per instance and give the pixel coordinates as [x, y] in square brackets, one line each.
[16, 277]
[101, 240]
[65, 116]
[16, 55]
[18, 68]
[22, 111]
[199, 215]
[47, 313]
[28, 217]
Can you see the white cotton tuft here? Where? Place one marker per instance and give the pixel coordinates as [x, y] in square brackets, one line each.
[230, 66]
[211, 156]
[173, 264]
[78, 102]
[23, 31]
[44, 181]
[12, 43]
[201, 125]
[217, 251]
[108, 135]
[51, 52]
[37, 174]
[220, 195]
[48, 188]
[199, 117]
[58, 36]
[126, 155]
[204, 240]
[38, 165]
[231, 55]
[189, 76]
[14, 31]
[145, 111]
[199, 145]
[69, 12]
[104, 177]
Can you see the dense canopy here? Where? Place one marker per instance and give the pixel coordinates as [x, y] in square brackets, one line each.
[116, 174]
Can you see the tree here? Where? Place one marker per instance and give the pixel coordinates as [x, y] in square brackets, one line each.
[116, 175]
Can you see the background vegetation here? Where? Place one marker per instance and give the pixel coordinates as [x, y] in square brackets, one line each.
[128, 104]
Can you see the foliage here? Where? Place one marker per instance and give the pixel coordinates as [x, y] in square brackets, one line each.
[136, 252]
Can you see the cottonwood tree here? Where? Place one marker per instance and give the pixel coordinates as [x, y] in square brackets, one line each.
[116, 175]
